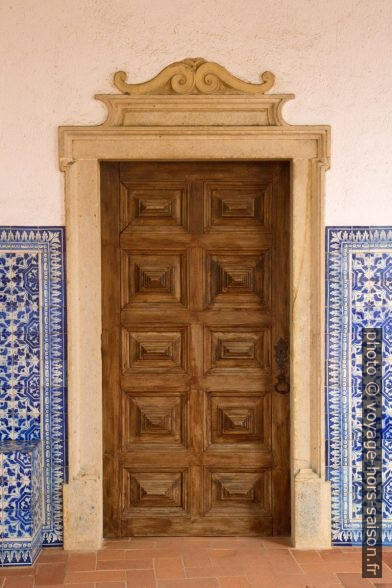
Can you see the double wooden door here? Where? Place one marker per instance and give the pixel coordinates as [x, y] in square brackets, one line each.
[195, 274]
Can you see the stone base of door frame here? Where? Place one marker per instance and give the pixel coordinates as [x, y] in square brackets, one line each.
[310, 521]
[195, 127]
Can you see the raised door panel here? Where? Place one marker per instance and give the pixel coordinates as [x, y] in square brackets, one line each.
[237, 206]
[155, 349]
[237, 420]
[161, 206]
[229, 350]
[152, 419]
[155, 491]
[154, 278]
[239, 492]
[238, 280]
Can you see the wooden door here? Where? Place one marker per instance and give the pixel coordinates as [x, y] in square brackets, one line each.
[195, 274]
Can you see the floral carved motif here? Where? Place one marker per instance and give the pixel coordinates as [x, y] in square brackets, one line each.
[194, 76]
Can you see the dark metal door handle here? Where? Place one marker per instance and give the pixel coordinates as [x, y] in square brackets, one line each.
[282, 357]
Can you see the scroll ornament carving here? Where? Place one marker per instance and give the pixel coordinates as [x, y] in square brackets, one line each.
[194, 76]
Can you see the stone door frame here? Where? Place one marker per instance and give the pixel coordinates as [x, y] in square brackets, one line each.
[228, 120]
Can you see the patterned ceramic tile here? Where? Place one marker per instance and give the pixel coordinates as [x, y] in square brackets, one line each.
[17, 480]
[20, 501]
[33, 377]
[359, 294]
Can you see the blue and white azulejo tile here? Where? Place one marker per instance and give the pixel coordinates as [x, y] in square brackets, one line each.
[33, 372]
[359, 294]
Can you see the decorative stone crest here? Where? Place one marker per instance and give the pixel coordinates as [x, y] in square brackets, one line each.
[194, 76]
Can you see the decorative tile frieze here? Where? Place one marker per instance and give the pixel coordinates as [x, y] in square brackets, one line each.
[359, 294]
[32, 385]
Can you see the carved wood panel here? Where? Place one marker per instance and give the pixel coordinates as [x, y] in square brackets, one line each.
[238, 280]
[151, 419]
[195, 290]
[237, 420]
[158, 278]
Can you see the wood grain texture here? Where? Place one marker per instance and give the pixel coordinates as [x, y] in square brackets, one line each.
[195, 281]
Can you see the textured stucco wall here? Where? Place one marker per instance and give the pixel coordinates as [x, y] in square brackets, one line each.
[333, 54]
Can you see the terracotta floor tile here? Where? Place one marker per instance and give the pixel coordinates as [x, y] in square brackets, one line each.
[307, 585]
[233, 582]
[333, 555]
[174, 542]
[120, 544]
[228, 567]
[142, 543]
[81, 562]
[189, 583]
[197, 562]
[321, 580]
[384, 580]
[298, 581]
[196, 557]
[222, 553]
[255, 541]
[223, 542]
[169, 568]
[200, 541]
[109, 554]
[18, 571]
[386, 572]
[251, 549]
[225, 569]
[283, 561]
[78, 585]
[353, 580]
[125, 564]
[141, 579]
[110, 585]
[343, 567]
[265, 580]
[251, 562]
[387, 558]
[151, 553]
[278, 554]
[306, 556]
[96, 576]
[52, 555]
[277, 542]
[50, 574]
[254, 567]
[19, 582]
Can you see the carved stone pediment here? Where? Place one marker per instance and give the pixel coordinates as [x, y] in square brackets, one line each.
[194, 76]
[194, 93]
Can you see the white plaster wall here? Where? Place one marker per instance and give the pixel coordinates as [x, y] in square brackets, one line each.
[335, 55]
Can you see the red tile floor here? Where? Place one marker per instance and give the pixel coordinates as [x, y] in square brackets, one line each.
[196, 563]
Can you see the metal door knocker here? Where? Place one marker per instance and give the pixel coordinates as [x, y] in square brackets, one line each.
[281, 357]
